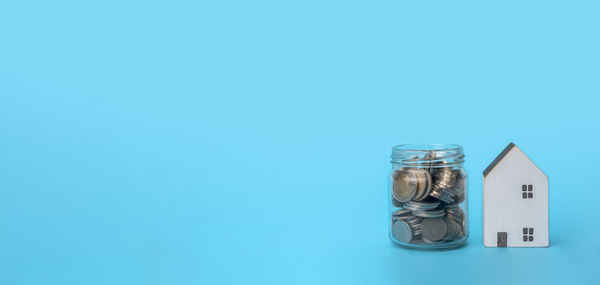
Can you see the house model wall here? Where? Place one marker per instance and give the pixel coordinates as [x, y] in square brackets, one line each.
[515, 201]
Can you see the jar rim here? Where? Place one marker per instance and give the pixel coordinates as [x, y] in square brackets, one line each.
[425, 154]
[427, 147]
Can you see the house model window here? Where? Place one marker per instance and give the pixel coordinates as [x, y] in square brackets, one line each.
[527, 234]
[527, 191]
[511, 211]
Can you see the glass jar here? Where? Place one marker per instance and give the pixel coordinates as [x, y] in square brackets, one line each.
[428, 196]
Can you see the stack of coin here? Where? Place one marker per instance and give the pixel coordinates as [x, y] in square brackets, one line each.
[417, 184]
[415, 226]
[411, 184]
[448, 185]
[429, 209]
[455, 230]
[432, 223]
[433, 230]
[455, 212]
[406, 226]
[424, 206]
[441, 230]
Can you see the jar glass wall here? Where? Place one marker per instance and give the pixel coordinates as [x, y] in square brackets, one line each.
[428, 196]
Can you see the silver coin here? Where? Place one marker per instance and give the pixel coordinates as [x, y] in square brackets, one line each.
[444, 178]
[456, 223]
[403, 218]
[413, 205]
[401, 212]
[460, 191]
[429, 214]
[433, 229]
[405, 185]
[456, 218]
[414, 221]
[430, 241]
[405, 215]
[452, 231]
[455, 211]
[402, 231]
[459, 231]
[442, 195]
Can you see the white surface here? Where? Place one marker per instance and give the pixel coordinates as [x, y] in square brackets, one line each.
[504, 209]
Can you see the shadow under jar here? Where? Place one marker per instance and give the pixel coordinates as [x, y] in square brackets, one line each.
[428, 196]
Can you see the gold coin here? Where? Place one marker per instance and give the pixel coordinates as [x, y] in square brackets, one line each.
[405, 185]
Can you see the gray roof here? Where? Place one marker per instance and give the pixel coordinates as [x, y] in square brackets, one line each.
[498, 159]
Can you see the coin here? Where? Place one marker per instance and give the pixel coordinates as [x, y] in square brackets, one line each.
[453, 229]
[460, 188]
[455, 213]
[430, 241]
[413, 205]
[442, 195]
[414, 221]
[401, 212]
[396, 203]
[404, 185]
[429, 214]
[444, 178]
[433, 229]
[402, 231]
[424, 182]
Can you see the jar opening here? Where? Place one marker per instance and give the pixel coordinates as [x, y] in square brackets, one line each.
[426, 154]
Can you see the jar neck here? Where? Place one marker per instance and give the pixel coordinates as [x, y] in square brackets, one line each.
[427, 155]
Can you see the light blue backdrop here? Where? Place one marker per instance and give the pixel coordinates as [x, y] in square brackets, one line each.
[248, 142]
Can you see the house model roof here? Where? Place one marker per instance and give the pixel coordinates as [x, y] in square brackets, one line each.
[498, 158]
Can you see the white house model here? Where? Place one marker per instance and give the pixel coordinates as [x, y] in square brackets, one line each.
[515, 201]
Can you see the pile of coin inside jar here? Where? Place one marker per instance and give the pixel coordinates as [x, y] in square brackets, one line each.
[426, 200]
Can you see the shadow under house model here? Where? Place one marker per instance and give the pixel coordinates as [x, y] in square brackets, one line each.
[515, 201]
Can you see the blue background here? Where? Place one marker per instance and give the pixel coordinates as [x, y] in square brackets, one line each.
[248, 142]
